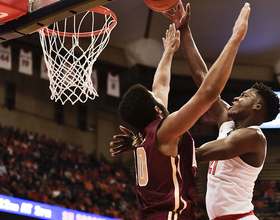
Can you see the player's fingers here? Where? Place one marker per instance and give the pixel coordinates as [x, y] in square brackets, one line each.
[179, 5]
[171, 30]
[172, 27]
[167, 15]
[115, 149]
[178, 33]
[167, 32]
[126, 131]
[119, 136]
[188, 8]
[115, 153]
[245, 11]
[120, 147]
[248, 9]
[116, 143]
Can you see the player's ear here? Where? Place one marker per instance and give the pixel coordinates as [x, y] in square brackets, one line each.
[258, 106]
[158, 110]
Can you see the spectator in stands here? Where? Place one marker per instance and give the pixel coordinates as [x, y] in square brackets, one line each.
[259, 206]
[269, 193]
[2, 167]
[257, 194]
[271, 205]
[33, 195]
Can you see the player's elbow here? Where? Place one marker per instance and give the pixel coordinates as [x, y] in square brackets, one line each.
[200, 156]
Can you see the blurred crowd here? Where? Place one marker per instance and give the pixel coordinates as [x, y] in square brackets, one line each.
[41, 169]
[265, 198]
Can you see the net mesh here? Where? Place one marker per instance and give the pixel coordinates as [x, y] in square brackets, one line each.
[70, 65]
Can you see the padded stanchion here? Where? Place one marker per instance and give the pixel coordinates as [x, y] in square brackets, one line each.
[12, 9]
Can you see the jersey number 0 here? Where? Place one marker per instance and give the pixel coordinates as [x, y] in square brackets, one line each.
[141, 166]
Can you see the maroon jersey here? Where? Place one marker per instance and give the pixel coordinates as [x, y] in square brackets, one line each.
[165, 185]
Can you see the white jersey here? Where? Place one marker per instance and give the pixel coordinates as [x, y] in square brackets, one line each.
[230, 182]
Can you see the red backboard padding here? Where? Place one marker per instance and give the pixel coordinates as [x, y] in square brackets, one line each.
[12, 9]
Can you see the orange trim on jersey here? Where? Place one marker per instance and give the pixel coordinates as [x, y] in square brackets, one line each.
[176, 185]
[170, 215]
[179, 169]
[233, 217]
[184, 202]
[185, 205]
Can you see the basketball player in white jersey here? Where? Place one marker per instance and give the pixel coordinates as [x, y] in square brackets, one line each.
[237, 156]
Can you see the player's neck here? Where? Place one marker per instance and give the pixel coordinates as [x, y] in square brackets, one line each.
[247, 123]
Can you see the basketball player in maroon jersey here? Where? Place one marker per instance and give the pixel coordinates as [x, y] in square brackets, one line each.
[164, 157]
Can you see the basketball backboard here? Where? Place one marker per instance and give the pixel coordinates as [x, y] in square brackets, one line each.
[42, 13]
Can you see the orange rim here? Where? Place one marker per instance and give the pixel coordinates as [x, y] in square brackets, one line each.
[99, 9]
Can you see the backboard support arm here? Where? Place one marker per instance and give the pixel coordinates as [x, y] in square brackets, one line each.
[46, 16]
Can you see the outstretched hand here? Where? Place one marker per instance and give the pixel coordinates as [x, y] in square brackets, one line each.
[122, 142]
[171, 42]
[241, 24]
[179, 16]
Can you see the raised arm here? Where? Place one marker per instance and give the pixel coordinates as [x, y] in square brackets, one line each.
[196, 64]
[181, 121]
[161, 86]
[181, 18]
[161, 82]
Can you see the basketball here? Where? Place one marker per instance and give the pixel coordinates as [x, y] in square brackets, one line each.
[161, 5]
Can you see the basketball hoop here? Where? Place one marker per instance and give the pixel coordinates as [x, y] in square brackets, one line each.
[69, 65]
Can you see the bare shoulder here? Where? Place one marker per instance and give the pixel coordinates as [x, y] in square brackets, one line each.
[249, 133]
[250, 138]
[257, 134]
[255, 147]
[252, 133]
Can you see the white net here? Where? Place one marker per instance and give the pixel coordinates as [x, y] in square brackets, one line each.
[70, 65]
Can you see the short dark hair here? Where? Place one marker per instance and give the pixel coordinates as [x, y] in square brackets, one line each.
[137, 107]
[271, 101]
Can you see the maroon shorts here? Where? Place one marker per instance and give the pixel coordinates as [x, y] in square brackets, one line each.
[165, 216]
